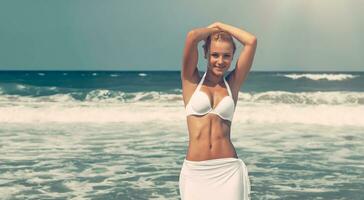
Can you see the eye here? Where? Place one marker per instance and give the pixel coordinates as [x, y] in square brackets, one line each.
[226, 56]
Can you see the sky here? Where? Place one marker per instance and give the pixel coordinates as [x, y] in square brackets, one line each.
[141, 35]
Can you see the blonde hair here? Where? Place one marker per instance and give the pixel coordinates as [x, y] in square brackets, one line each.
[219, 36]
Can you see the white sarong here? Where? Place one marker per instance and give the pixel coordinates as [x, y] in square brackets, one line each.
[220, 179]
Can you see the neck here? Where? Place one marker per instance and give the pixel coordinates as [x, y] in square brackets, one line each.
[213, 79]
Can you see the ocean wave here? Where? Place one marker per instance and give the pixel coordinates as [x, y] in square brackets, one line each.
[23, 100]
[175, 98]
[341, 115]
[107, 106]
[315, 77]
[105, 96]
[134, 97]
[28, 90]
[307, 98]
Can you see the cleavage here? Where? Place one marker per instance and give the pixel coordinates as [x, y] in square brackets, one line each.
[208, 97]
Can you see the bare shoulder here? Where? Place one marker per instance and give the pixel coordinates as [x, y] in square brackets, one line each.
[189, 84]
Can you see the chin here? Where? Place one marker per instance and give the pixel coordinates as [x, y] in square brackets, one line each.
[219, 71]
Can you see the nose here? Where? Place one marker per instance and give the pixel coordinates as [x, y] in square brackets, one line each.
[220, 60]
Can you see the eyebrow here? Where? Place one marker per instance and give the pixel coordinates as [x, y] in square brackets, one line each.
[221, 53]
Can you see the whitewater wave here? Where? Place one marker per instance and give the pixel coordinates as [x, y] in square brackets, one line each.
[341, 115]
[164, 98]
[107, 106]
[328, 77]
[307, 98]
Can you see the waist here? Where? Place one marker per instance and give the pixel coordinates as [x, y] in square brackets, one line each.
[210, 141]
[205, 150]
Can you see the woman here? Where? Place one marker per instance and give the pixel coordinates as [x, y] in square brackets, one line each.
[211, 169]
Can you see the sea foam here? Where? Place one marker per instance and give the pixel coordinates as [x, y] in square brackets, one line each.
[163, 98]
[333, 115]
[324, 76]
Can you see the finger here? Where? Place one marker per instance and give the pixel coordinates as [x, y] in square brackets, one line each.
[211, 26]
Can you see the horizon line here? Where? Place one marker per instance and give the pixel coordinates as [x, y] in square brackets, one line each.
[158, 70]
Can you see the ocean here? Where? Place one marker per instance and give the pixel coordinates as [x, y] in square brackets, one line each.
[123, 134]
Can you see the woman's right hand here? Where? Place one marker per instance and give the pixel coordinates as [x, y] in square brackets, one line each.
[215, 25]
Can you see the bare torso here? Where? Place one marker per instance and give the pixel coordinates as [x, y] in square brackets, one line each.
[209, 138]
[209, 135]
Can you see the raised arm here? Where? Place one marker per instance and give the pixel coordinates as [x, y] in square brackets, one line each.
[246, 57]
[190, 53]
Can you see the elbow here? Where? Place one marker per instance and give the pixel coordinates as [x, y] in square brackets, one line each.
[191, 35]
[253, 41]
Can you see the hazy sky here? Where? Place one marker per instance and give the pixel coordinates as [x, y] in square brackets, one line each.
[149, 34]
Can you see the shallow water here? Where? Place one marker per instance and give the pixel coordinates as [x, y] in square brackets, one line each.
[143, 161]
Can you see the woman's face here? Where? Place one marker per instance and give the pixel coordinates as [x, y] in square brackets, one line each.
[220, 57]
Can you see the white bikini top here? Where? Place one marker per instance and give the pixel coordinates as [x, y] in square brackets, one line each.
[199, 103]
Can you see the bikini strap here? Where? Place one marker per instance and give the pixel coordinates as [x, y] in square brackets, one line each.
[228, 87]
[203, 78]
[197, 89]
[201, 82]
